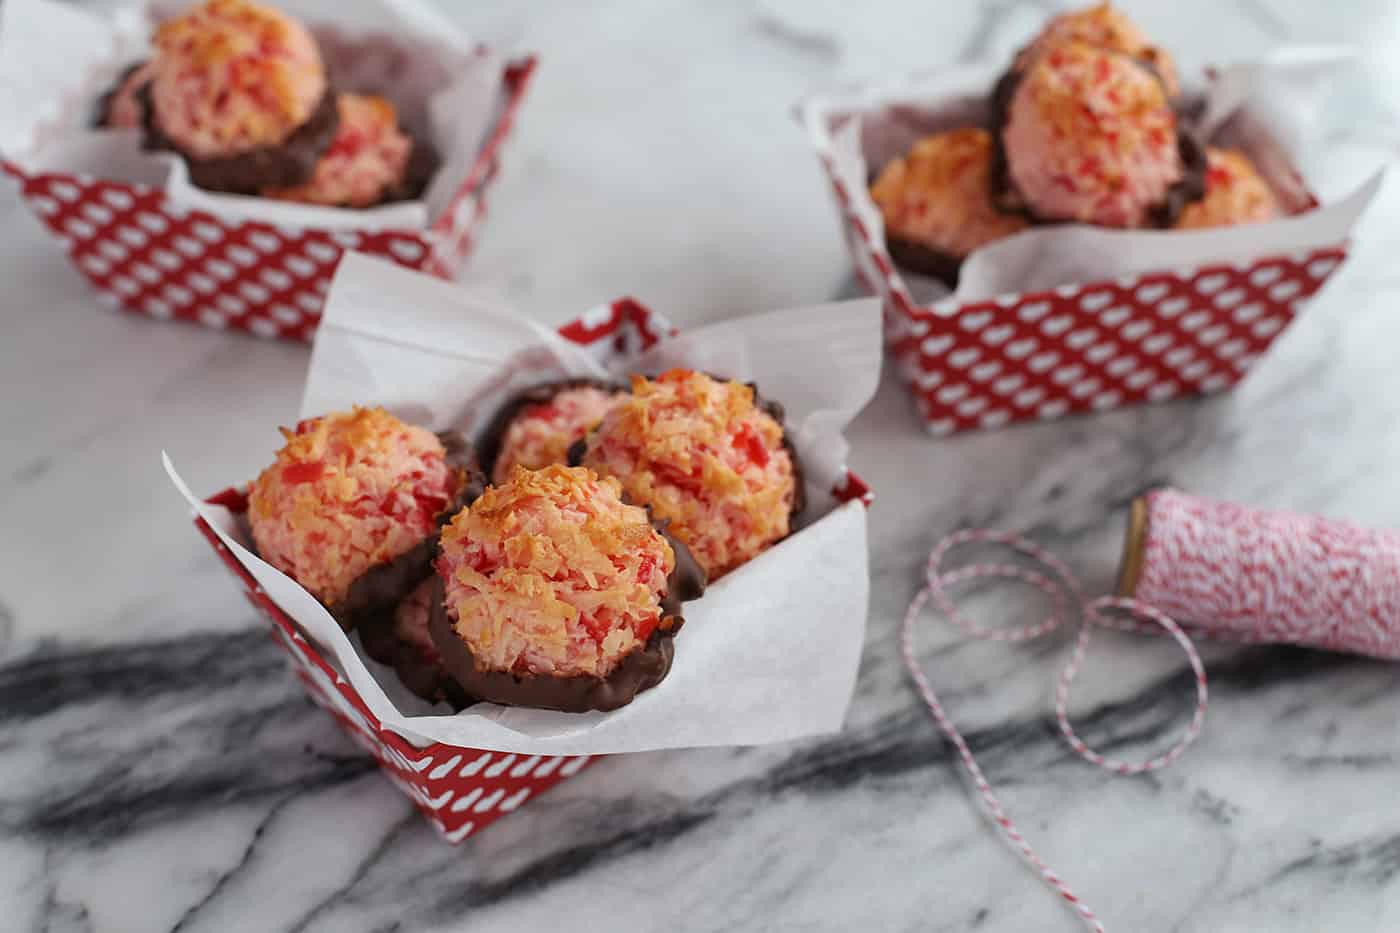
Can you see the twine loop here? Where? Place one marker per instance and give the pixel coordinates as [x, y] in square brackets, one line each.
[1066, 596]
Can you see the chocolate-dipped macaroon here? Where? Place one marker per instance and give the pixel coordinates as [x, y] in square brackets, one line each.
[1089, 135]
[936, 203]
[239, 90]
[557, 594]
[1235, 194]
[371, 160]
[352, 506]
[708, 457]
[538, 426]
[401, 640]
[122, 107]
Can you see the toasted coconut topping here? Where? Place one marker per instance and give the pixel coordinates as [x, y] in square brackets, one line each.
[551, 573]
[703, 457]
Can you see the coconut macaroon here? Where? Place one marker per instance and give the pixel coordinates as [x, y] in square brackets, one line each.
[1235, 194]
[706, 458]
[1089, 136]
[351, 507]
[936, 202]
[366, 161]
[538, 426]
[239, 90]
[401, 640]
[1104, 27]
[121, 108]
[558, 594]
[232, 75]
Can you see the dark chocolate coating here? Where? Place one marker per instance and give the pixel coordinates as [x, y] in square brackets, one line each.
[642, 669]
[776, 411]
[488, 442]
[925, 260]
[1191, 187]
[576, 451]
[380, 588]
[423, 675]
[285, 165]
[769, 407]
[102, 111]
[423, 163]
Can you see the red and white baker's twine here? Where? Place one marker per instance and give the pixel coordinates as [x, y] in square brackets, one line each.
[1235, 572]
[1065, 594]
[1272, 576]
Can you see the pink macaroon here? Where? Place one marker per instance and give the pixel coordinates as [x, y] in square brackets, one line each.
[410, 622]
[401, 640]
[365, 162]
[1089, 136]
[232, 75]
[938, 195]
[123, 107]
[704, 455]
[1235, 194]
[350, 491]
[542, 432]
[553, 574]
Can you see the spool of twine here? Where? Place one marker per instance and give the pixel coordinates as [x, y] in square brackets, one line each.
[1230, 571]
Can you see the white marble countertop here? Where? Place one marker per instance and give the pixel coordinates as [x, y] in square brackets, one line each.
[160, 769]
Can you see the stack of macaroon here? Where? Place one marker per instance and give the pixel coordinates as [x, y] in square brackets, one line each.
[1087, 126]
[240, 92]
[549, 570]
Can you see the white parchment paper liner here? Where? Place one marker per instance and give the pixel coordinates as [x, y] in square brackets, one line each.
[57, 60]
[769, 654]
[1271, 109]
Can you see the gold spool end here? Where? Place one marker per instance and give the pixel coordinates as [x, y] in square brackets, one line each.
[1130, 568]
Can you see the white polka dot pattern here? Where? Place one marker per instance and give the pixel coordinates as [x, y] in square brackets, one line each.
[137, 249]
[1099, 346]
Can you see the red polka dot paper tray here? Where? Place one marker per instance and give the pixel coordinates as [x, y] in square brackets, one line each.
[1062, 319]
[151, 243]
[770, 651]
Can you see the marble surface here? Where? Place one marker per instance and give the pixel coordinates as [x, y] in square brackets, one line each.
[160, 769]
